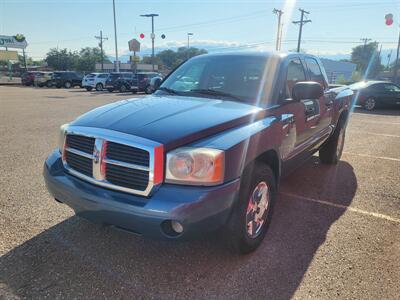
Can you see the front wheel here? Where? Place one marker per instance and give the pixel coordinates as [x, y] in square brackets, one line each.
[332, 151]
[251, 217]
[99, 87]
[67, 84]
[370, 104]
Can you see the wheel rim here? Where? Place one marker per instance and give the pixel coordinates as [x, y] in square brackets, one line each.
[370, 103]
[67, 85]
[340, 143]
[99, 87]
[123, 88]
[257, 209]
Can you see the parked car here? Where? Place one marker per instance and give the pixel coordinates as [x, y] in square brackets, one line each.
[28, 78]
[373, 94]
[43, 79]
[66, 79]
[194, 158]
[120, 81]
[142, 80]
[95, 80]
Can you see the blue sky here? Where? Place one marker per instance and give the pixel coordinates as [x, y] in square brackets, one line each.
[336, 26]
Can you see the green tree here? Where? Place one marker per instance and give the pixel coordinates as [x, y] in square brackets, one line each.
[169, 59]
[367, 59]
[88, 57]
[61, 59]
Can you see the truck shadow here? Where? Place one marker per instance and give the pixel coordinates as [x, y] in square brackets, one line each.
[76, 259]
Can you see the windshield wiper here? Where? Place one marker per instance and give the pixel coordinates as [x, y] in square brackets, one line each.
[168, 90]
[212, 92]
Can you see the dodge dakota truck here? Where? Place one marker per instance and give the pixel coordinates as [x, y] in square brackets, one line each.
[206, 151]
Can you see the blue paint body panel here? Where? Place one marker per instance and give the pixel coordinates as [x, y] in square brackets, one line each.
[199, 209]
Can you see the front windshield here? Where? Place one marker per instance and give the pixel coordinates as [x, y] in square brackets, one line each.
[229, 75]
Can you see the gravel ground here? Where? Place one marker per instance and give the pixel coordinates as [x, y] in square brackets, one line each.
[335, 232]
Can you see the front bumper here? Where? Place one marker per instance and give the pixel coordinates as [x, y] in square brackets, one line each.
[198, 209]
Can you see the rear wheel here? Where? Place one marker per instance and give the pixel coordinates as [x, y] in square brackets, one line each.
[370, 104]
[332, 151]
[123, 88]
[251, 217]
[67, 84]
[99, 87]
[88, 88]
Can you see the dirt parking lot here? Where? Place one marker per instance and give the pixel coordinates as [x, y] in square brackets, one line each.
[335, 232]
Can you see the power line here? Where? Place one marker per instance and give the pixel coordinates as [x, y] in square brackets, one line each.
[301, 22]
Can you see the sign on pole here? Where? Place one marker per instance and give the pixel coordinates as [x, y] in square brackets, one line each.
[8, 55]
[17, 41]
[134, 45]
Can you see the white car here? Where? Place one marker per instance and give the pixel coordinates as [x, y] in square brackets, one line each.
[94, 80]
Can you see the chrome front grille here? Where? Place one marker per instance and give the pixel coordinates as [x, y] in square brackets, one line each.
[110, 159]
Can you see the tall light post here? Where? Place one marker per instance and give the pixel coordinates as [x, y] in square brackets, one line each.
[153, 36]
[189, 34]
[115, 38]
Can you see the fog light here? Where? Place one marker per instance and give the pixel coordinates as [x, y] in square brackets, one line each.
[176, 226]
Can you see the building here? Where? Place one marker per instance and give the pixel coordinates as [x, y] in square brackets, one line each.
[335, 69]
[125, 67]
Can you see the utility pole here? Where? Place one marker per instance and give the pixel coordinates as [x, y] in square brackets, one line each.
[115, 38]
[389, 56]
[153, 36]
[189, 34]
[396, 62]
[101, 38]
[279, 13]
[365, 40]
[301, 22]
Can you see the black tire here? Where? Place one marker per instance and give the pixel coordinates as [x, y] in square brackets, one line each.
[88, 88]
[332, 150]
[110, 90]
[148, 90]
[238, 237]
[99, 87]
[370, 104]
[67, 84]
[123, 88]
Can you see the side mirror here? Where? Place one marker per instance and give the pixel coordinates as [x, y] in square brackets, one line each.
[307, 90]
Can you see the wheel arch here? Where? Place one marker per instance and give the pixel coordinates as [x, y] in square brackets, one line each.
[271, 158]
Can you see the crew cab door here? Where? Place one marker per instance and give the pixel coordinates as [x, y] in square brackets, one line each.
[325, 113]
[298, 118]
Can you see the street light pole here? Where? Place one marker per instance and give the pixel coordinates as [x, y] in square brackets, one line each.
[153, 36]
[101, 38]
[115, 38]
[279, 13]
[188, 43]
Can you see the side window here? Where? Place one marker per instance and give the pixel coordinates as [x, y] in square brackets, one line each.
[315, 71]
[390, 88]
[295, 73]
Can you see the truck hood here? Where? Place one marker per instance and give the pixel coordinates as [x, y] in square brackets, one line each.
[170, 120]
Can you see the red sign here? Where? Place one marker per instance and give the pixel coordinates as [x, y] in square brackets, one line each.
[141, 36]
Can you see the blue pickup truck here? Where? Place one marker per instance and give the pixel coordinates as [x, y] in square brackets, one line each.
[206, 151]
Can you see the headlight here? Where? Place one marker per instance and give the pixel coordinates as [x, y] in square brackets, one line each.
[61, 137]
[197, 166]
